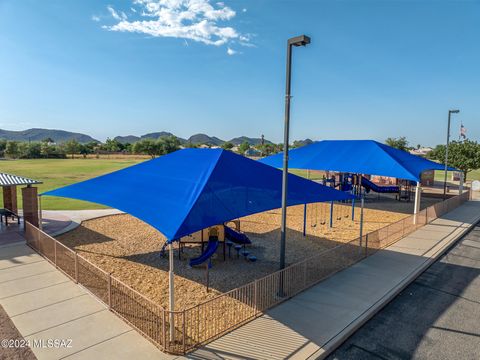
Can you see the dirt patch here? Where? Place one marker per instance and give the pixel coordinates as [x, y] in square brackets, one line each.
[8, 331]
[131, 249]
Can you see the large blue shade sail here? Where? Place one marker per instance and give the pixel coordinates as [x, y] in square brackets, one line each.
[356, 156]
[191, 189]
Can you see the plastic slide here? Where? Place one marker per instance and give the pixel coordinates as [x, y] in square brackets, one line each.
[368, 185]
[209, 251]
[236, 237]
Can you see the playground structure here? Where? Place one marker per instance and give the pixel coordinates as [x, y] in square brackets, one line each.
[219, 187]
[183, 330]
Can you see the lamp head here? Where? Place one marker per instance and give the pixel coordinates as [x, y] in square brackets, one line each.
[453, 111]
[301, 40]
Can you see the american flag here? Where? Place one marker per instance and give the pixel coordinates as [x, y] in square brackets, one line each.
[463, 132]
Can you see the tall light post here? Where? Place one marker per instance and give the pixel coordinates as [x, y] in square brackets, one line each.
[450, 112]
[301, 40]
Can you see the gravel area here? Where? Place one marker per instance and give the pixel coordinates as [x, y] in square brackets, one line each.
[130, 249]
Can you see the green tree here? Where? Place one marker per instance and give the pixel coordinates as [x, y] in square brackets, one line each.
[12, 150]
[243, 147]
[3, 145]
[266, 149]
[113, 145]
[146, 146]
[72, 147]
[462, 155]
[46, 149]
[168, 144]
[30, 150]
[398, 143]
[227, 145]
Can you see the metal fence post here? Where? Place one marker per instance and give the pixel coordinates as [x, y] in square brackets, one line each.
[76, 267]
[255, 296]
[164, 331]
[183, 332]
[55, 253]
[304, 273]
[109, 282]
[366, 245]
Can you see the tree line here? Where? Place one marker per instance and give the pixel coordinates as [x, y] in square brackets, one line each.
[463, 155]
[48, 149]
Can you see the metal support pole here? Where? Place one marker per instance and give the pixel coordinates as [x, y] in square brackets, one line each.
[331, 214]
[353, 208]
[171, 290]
[283, 227]
[304, 219]
[460, 184]
[40, 217]
[361, 219]
[450, 112]
[296, 41]
[446, 158]
[109, 291]
[418, 195]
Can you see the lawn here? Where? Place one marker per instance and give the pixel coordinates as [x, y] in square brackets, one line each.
[472, 175]
[55, 173]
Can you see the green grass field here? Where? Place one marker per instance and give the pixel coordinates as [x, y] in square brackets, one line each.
[473, 175]
[55, 173]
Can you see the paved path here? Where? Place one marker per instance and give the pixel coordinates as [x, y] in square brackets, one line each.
[435, 317]
[319, 319]
[44, 304]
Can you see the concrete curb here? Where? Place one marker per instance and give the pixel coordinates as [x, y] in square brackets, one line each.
[348, 331]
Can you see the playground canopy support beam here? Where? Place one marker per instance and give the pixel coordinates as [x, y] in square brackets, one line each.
[304, 219]
[361, 219]
[460, 184]
[418, 196]
[171, 290]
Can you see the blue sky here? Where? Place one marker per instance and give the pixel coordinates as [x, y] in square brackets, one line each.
[374, 69]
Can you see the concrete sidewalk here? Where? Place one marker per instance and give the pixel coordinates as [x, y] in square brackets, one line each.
[316, 321]
[45, 304]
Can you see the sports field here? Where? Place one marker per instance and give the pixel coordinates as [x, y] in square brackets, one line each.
[55, 173]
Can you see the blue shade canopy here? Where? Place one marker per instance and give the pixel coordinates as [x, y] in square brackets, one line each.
[192, 189]
[356, 156]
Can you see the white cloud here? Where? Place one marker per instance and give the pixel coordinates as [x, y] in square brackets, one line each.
[121, 16]
[231, 52]
[95, 18]
[196, 20]
[244, 10]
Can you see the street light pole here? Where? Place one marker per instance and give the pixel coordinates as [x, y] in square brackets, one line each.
[450, 112]
[296, 41]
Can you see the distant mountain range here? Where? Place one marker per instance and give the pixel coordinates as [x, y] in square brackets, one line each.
[42, 134]
[194, 139]
[60, 136]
